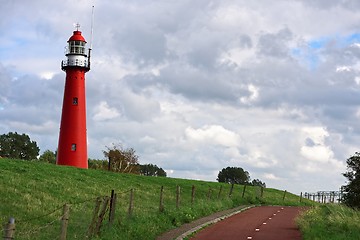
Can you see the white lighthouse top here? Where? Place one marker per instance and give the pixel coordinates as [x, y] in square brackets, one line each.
[76, 52]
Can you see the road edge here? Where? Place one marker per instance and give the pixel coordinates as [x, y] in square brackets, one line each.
[192, 230]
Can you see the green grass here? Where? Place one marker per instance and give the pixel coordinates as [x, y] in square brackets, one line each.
[34, 193]
[330, 222]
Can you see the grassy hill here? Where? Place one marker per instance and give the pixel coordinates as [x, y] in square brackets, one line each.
[34, 193]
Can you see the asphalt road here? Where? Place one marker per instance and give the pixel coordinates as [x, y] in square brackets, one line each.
[258, 223]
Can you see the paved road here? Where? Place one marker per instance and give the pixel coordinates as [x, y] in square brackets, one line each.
[259, 223]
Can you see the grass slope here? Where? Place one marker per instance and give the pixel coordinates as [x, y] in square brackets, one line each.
[34, 193]
[330, 222]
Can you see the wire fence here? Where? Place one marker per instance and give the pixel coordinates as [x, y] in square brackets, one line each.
[88, 218]
[325, 196]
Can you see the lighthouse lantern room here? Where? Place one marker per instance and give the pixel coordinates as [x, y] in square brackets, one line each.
[72, 147]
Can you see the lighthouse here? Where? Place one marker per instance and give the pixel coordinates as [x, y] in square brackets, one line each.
[72, 147]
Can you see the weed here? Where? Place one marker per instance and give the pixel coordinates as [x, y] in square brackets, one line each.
[330, 222]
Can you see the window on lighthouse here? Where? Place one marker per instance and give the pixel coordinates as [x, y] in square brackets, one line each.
[75, 101]
[77, 47]
[73, 147]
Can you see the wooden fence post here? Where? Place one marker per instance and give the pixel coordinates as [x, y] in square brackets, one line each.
[10, 229]
[243, 193]
[161, 207]
[64, 222]
[112, 207]
[220, 190]
[131, 203]
[177, 196]
[284, 195]
[94, 218]
[192, 194]
[301, 197]
[209, 193]
[231, 189]
[341, 195]
[101, 214]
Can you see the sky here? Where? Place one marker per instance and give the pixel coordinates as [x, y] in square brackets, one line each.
[196, 86]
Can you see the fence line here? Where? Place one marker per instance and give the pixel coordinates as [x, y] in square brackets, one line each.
[325, 196]
[38, 217]
[30, 232]
[107, 206]
[81, 202]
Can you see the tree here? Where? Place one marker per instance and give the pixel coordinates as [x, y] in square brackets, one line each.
[14, 145]
[234, 175]
[98, 164]
[48, 156]
[152, 170]
[351, 196]
[257, 182]
[122, 160]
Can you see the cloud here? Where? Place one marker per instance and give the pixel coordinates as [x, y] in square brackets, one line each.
[213, 134]
[275, 45]
[196, 86]
[254, 94]
[270, 176]
[104, 112]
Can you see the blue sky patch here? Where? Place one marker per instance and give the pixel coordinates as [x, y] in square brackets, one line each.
[318, 43]
[311, 55]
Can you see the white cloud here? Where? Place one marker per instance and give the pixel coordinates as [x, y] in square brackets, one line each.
[315, 148]
[317, 153]
[47, 75]
[270, 176]
[195, 86]
[239, 56]
[343, 69]
[104, 112]
[254, 94]
[213, 134]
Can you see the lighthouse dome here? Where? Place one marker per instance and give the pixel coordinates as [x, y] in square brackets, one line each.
[77, 37]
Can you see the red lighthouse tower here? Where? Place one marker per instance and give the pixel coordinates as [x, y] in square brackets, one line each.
[72, 148]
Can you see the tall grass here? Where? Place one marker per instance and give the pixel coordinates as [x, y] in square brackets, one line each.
[330, 222]
[34, 193]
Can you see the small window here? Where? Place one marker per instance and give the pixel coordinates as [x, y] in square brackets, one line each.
[73, 147]
[75, 101]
